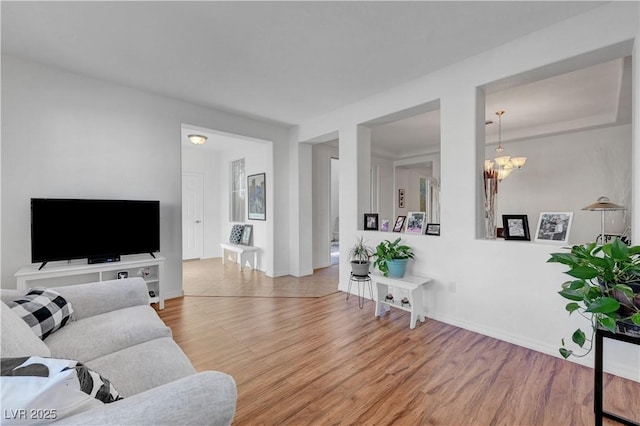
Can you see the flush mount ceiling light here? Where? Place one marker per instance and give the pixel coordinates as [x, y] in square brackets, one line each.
[504, 164]
[197, 139]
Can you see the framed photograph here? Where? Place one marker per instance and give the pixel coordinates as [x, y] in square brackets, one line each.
[399, 224]
[371, 221]
[554, 227]
[384, 225]
[246, 235]
[416, 222]
[122, 275]
[433, 229]
[401, 198]
[256, 189]
[516, 227]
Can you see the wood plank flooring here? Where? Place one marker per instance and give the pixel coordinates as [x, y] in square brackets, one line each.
[324, 361]
[209, 277]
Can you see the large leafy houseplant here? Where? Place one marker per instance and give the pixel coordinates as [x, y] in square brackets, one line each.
[388, 251]
[605, 287]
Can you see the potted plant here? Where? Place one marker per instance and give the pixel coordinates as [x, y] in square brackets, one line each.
[359, 255]
[392, 258]
[605, 289]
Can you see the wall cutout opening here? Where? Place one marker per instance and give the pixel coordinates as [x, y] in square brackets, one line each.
[574, 127]
[405, 164]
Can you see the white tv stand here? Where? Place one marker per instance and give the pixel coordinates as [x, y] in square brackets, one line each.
[80, 272]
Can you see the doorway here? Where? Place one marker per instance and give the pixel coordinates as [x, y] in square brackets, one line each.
[325, 166]
[334, 217]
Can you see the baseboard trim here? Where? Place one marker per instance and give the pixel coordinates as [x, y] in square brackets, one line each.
[617, 369]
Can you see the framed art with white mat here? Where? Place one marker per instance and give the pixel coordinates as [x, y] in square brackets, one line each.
[554, 227]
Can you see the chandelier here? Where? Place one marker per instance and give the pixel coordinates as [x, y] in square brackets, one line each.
[503, 164]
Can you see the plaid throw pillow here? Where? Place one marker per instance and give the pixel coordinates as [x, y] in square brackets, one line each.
[44, 310]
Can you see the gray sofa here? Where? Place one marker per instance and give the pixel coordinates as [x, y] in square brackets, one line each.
[116, 333]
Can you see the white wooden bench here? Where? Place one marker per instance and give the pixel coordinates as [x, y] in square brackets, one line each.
[415, 287]
[243, 254]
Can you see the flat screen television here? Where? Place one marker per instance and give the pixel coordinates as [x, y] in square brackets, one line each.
[99, 230]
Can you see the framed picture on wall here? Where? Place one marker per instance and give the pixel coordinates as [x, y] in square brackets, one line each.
[554, 227]
[384, 225]
[399, 224]
[416, 222]
[371, 221]
[256, 189]
[401, 198]
[515, 227]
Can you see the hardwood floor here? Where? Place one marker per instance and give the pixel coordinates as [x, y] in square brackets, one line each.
[324, 361]
[209, 277]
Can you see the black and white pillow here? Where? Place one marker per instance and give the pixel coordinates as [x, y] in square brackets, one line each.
[55, 388]
[44, 310]
[236, 234]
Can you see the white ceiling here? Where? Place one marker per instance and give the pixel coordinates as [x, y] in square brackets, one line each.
[288, 62]
[591, 97]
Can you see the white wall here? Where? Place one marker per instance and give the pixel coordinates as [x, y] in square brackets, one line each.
[566, 173]
[387, 197]
[502, 289]
[66, 135]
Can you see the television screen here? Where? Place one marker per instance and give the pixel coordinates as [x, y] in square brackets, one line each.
[63, 229]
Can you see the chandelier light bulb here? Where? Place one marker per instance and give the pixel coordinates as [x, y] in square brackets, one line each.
[503, 164]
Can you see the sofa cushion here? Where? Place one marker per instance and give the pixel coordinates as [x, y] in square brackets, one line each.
[17, 337]
[102, 334]
[142, 367]
[41, 390]
[43, 309]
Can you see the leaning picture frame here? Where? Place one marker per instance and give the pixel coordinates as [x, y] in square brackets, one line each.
[554, 227]
[246, 235]
[516, 227]
[416, 222]
[399, 224]
[256, 190]
[371, 221]
[433, 229]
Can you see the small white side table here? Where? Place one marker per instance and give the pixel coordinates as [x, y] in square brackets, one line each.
[414, 284]
[243, 254]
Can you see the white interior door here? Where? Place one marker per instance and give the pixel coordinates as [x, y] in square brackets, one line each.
[192, 226]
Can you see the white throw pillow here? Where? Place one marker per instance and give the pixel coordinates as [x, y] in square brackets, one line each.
[43, 390]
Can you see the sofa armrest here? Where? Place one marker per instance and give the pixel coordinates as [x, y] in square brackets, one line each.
[207, 398]
[98, 298]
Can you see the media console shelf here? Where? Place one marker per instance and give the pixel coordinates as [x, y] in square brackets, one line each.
[80, 272]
